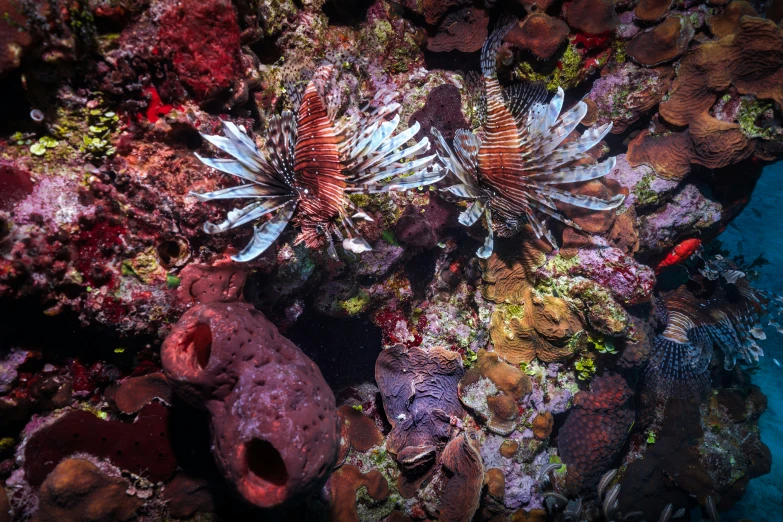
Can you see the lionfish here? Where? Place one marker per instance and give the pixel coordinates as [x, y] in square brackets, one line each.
[728, 316]
[512, 175]
[311, 162]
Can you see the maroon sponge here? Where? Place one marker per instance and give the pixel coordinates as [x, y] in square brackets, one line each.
[595, 431]
[274, 421]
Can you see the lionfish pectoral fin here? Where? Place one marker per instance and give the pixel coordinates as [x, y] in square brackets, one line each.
[463, 191]
[489, 243]
[240, 216]
[472, 214]
[357, 245]
[266, 234]
[362, 215]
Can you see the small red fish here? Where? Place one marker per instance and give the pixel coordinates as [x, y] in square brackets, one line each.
[679, 253]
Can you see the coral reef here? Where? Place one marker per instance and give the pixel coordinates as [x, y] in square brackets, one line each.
[595, 361]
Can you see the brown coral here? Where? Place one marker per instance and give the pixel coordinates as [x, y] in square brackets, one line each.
[542, 425]
[134, 393]
[523, 332]
[459, 498]
[76, 490]
[662, 43]
[595, 431]
[553, 318]
[510, 270]
[651, 10]
[357, 431]
[591, 16]
[669, 155]
[464, 30]
[540, 34]
[728, 21]
[495, 482]
[751, 61]
[343, 486]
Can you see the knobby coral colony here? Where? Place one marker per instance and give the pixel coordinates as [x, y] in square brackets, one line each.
[729, 317]
[312, 162]
[510, 175]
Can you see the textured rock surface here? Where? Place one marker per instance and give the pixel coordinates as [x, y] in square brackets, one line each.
[77, 490]
[273, 417]
[594, 432]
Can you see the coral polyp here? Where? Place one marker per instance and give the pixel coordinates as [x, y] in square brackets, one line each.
[511, 175]
[311, 163]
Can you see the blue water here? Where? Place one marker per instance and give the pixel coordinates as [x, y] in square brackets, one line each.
[759, 229]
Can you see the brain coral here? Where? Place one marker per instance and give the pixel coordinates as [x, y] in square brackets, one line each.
[419, 391]
[595, 431]
[274, 422]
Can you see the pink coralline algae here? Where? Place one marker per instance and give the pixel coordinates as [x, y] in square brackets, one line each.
[689, 210]
[274, 420]
[202, 40]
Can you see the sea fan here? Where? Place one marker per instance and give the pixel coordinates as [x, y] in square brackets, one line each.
[729, 318]
[512, 175]
[309, 165]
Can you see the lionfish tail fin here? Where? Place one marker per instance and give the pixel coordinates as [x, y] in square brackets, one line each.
[489, 51]
[672, 371]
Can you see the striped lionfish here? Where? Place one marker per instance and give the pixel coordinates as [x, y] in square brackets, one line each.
[512, 174]
[311, 163]
[729, 318]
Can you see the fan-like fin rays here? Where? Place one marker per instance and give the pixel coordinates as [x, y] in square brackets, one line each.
[266, 234]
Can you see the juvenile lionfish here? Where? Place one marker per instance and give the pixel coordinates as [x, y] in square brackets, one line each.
[311, 162]
[728, 315]
[511, 175]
